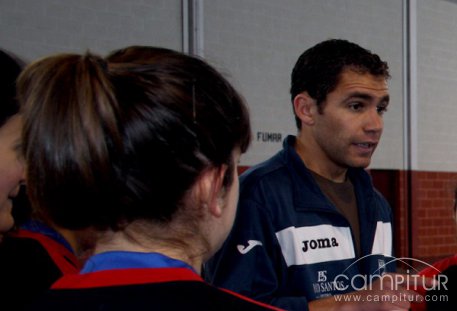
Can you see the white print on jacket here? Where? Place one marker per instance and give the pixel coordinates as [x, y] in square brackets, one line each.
[251, 244]
[383, 239]
[308, 245]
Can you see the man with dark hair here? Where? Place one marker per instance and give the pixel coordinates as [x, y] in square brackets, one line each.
[310, 224]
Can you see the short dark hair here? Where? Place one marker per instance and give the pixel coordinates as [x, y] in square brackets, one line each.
[10, 69]
[318, 69]
[112, 140]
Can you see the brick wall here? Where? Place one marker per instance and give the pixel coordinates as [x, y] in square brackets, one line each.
[425, 227]
[434, 225]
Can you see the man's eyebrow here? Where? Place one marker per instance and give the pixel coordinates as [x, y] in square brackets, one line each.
[367, 96]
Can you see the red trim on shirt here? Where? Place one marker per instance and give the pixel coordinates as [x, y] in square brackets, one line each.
[430, 272]
[117, 277]
[251, 300]
[125, 277]
[439, 266]
[63, 258]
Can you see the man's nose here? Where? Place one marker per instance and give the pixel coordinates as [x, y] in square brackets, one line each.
[374, 121]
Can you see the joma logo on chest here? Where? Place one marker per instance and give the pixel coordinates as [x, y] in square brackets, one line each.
[319, 243]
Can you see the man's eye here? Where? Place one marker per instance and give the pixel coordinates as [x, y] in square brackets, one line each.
[355, 106]
[382, 109]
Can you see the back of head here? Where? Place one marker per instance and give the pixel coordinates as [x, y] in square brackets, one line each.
[10, 69]
[110, 141]
[318, 69]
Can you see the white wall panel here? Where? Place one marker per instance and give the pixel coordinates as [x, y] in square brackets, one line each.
[258, 41]
[35, 28]
[437, 85]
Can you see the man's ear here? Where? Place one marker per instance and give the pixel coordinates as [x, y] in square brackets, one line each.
[305, 108]
[211, 190]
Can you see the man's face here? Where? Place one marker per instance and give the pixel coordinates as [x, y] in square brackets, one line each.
[350, 125]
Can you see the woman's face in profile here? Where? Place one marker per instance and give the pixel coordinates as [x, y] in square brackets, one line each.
[11, 169]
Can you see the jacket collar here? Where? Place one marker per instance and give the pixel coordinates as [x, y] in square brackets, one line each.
[312, 197]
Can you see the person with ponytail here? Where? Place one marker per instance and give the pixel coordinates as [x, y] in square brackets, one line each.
[141, 147]
[34, 253]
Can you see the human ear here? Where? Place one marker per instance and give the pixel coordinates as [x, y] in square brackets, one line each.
[212, 191]
[305, 108]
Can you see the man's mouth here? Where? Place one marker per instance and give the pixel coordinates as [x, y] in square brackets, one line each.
[367, 145]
